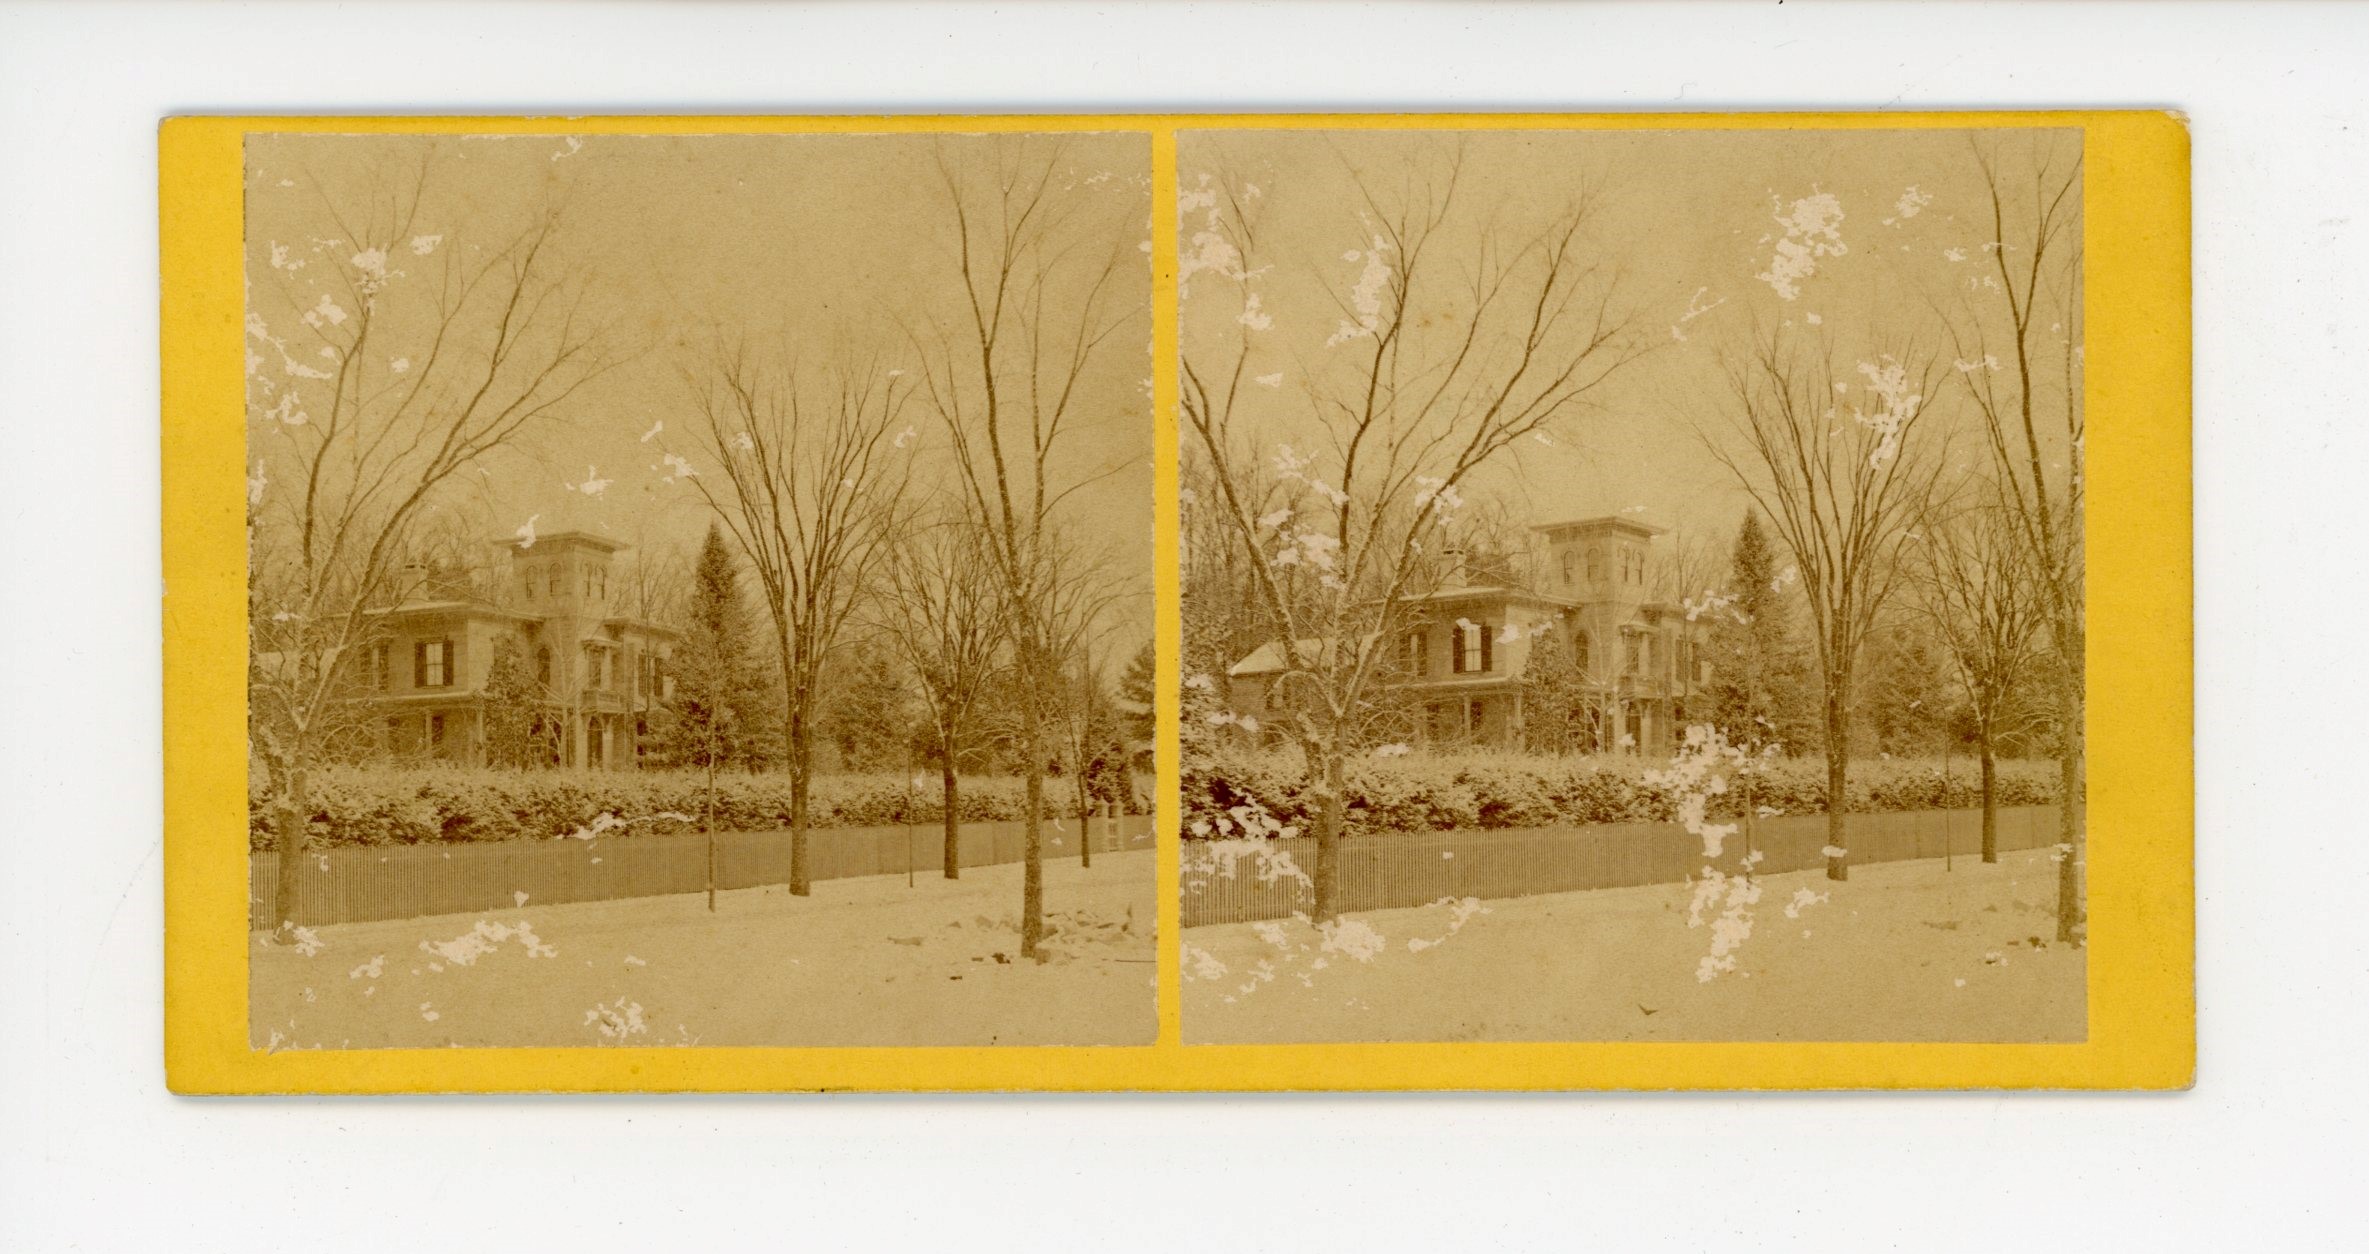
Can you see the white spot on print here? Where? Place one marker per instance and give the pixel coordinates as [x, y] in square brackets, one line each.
[1813, 230]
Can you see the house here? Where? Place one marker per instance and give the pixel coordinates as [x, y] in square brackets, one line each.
[1461, 651]
[599, 673]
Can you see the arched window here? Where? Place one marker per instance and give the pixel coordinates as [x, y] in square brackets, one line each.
[1595, 565]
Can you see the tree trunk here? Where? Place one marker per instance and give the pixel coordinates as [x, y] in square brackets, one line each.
[2071, 809]
[1032, 840]
[1838, 794]
[1329, 813]
[707, 823]
[1990, 800]
[295, 817]
[1085, 820]
[952, 817]
[801, 745]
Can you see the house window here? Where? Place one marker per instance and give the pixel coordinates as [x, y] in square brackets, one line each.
[1476, 716]
[558, 579]
[530, 585]
[594, 741]
[1580, 645]
[431, 664]
[1636, 658]
[1413, 654]
[435, 733]
[1570, 568]
[543, 665]
[1595, 565]
[1473, 647]
[382, 672]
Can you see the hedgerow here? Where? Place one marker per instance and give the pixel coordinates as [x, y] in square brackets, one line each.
[431, 805]
[1450, 792]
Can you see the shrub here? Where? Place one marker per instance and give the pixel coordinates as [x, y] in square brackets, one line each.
[378, 805]
[1445, 792]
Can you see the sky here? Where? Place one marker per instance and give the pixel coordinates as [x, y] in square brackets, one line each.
[837, 246]
[1688, 224]
[828, 247]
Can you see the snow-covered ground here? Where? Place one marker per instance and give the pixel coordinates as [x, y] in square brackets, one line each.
[861, 962]
[1901, 952]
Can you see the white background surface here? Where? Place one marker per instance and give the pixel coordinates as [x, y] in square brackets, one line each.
[2265, 1153]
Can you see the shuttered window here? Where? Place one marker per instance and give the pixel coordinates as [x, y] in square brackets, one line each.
[431, 663]
[1474, 648]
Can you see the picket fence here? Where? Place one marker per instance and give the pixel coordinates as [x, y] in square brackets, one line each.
[353, 885]
[1417, 868]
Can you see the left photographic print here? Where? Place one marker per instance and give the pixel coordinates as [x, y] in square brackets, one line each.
[700, 590]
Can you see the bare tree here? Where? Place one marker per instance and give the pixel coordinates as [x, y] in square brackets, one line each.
[811, 488]
[1695, 567]
[1975, 588]
[2029, 308]
[1460, 335]
[1038, 310]
[381, 369]
[1080, 600]
[654, 584]
[944, 613]
[1842, 490]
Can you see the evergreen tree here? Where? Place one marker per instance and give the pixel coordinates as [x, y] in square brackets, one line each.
[1555, 698]
[867, 709]
[511, 704]
[1138, 693]
[1758, 693]
[717, 685]
[1907, 693]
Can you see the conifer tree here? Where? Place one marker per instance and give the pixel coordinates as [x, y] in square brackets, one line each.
[716, 685]
[1756, 664]
[1554, 698]
[1139, 689]
[868, 709]
[512, 699]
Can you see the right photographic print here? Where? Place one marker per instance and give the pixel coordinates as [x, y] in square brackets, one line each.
[1632, 585]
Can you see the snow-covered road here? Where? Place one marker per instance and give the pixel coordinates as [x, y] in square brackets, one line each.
[861, 962]
[1902, 952]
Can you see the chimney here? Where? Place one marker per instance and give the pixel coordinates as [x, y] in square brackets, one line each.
[1454, 575]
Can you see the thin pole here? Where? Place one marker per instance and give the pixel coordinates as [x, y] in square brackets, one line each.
[1948, 853]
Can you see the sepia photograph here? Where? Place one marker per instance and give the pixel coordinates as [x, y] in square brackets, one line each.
[700, 590]
[1633, 585]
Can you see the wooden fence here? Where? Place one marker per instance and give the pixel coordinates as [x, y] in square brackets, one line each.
[1413, 869]
[404, 881]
